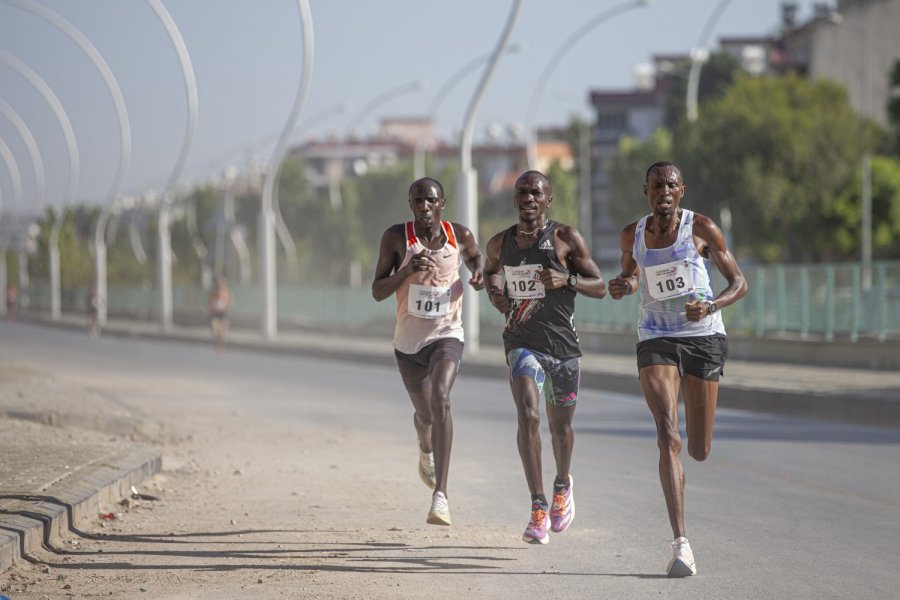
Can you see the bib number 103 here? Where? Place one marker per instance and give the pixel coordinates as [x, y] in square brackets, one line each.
[670, 280]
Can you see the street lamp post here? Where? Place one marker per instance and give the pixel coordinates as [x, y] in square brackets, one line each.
[452, 81]
[15, 180]
[268, 274]
[72, 180]
[85, 45]
[334, 183]
[544, 78]
[699, 56]
[837, 18]
[468, 178]
[163, 237]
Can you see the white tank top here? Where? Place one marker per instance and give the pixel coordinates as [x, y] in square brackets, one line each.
[671, 277]
[429, 303]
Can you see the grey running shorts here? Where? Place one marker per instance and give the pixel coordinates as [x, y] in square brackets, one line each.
[415, 369]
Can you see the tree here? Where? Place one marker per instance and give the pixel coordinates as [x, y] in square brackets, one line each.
[893, 108]
[885, 211]
[777, 152]
[628, 171]
[717, 75]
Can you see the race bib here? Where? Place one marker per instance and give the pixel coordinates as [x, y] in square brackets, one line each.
[428, 302]
[524, 282]
[670, 280]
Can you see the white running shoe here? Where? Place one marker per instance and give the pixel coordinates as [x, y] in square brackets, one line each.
[682, 563]
[440, 511]
[426, 468]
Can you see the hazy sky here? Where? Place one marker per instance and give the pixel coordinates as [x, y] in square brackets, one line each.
[247, 56]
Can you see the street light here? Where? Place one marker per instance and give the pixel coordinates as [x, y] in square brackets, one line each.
[85, 45]
[837, 18]
[334, 183]
[163, 237]
[468, 178]
[699, 56]
[15, 181]
[537, 95]
[268, 273]
[452, 81]
[74, 169]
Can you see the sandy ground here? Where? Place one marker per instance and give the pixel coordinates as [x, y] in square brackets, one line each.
[258, 507]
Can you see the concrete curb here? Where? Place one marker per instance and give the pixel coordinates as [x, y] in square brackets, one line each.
[31, 522]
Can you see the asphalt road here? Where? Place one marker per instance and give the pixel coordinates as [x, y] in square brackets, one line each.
[318, 460]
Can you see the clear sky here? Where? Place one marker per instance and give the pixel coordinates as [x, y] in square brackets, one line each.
[247, 56]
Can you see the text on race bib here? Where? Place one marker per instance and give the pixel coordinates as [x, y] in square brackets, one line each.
[670, 280]
[427, 302]
[524, 282]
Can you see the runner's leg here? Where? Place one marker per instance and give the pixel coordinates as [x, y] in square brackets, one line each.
[660, 385]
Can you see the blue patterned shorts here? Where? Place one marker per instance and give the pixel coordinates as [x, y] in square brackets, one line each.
[564, 375]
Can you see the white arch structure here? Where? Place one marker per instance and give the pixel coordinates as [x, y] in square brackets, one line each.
[65, 124]
[85, 45]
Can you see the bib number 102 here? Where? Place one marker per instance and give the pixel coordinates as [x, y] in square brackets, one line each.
[523, 286]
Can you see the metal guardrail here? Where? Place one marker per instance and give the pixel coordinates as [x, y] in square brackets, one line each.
[823, 301]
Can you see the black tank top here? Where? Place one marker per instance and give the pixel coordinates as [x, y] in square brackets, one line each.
[543, 324]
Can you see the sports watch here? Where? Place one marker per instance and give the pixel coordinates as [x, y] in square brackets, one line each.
[572, 281]
[712, 307]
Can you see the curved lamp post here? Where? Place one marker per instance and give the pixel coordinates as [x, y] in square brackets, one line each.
[334, 185]
[440, 96]
[72, 180]
[85, 45]
[163, 237]
[31, 146]
[281, 228]
[268, 272]
[37, 164]
[468, 177]
[699, 56]
[15, 180]
[544, 78]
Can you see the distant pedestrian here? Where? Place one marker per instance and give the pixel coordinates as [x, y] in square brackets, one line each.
[534, 270]
[419, 262]
[93, 302]
[11, 300]
[219, 306]
[681, 338]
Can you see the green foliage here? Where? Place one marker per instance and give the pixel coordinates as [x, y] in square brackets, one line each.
[885, 211]
[776, 152]
[565, 207]
[628, 170]
[893, 107]
[716, 76]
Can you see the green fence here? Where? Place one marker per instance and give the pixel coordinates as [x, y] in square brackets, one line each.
[825, 301]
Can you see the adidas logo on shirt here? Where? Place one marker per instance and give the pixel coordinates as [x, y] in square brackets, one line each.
[546, 245]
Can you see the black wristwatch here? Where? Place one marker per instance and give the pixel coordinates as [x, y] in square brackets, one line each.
[572, 281]
[712, 307]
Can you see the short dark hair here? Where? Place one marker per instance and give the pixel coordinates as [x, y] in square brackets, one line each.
[426, 181]
[539, 174]
[659, 165]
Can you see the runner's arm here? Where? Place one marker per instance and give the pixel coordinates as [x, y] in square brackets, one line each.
[626, 282]
[388, 275]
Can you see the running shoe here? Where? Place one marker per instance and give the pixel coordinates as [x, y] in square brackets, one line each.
[440, 511]
[536, 532]
[426, 468]
[682, 563]
[562, 510]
